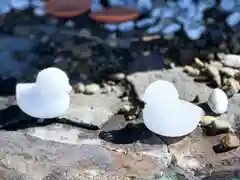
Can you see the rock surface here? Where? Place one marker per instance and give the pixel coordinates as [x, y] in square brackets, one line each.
[93, 110]
[185, 85]
[31, 158]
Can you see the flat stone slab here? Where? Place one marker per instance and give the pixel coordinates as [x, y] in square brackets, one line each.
[31, 158]
[93, 110]
[185, 84]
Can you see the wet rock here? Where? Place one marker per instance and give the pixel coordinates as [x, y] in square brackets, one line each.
[94, 110]
[11, 65]
[232, 60]
[26, 30]
[92, 88]
[70, 24]
[82, 51]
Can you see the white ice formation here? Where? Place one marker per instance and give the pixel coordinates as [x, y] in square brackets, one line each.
[48, 97]
[167, 115]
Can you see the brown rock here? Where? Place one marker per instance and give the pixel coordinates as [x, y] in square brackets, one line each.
[230, 141]
[70, 8]
[115, 15]
[191, 70]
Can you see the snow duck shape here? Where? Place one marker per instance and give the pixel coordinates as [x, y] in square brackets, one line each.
[167, 115]
[48, 97]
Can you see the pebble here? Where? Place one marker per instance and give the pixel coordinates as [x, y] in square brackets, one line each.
[220, 55]
[233, 19]
[199, 62]
[211, 56]
[214, 72]
[106, 89]
[70, 24]
[125, 108]
[228, 71]
[125, 98]
[234, 86]
[92, 88]
[207, 120]
[218, 101]
[221, 124]
[230, 141]
[191, 70]
[118, 76]
[232, 60]
[79, 88]
[217, 64]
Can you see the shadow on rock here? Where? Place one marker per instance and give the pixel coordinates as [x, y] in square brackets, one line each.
[135, 132]
[12, 119]
[127, 135]
[207, 109]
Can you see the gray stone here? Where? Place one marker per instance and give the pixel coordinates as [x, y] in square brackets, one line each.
[36, 159]
[214, 73]
[185, 84]
[94, 109]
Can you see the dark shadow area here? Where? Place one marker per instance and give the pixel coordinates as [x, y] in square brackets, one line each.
[135, 132]
[219, 148]
[8, 86]
[12, 119]
[211, 130]
[207, 109]
[147, 63]
[127, 135]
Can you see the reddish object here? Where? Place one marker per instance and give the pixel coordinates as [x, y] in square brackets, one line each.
[67, 8]
[115, 15]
